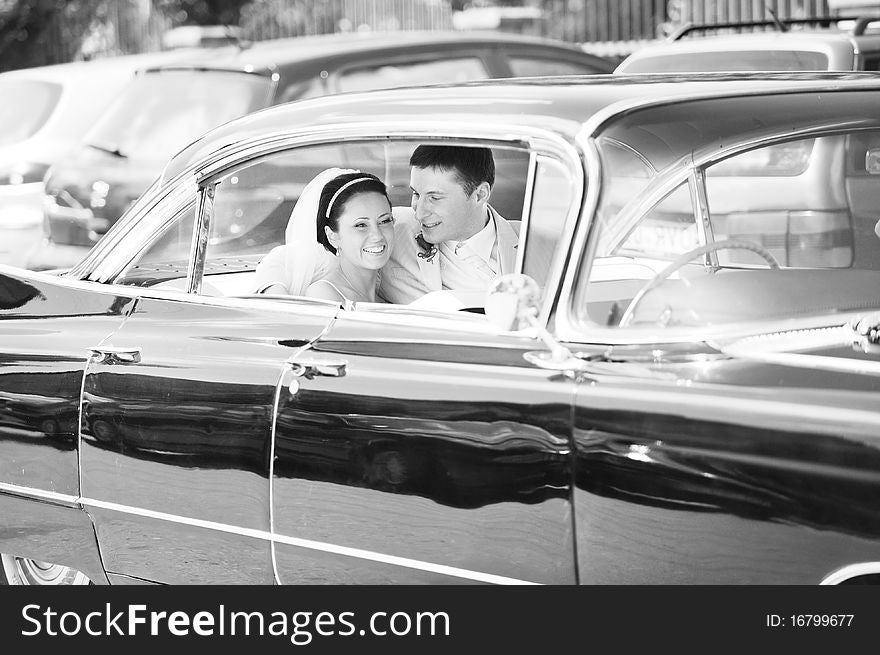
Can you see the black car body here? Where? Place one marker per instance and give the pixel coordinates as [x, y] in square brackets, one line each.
[671, 401]
[169, 106]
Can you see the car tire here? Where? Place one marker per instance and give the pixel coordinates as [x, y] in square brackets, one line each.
[24, 571]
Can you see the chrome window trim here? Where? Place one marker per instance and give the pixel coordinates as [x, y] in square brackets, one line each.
[528, 197]
[702, 214]
[199, 246]
[106, 260]
[538, 141]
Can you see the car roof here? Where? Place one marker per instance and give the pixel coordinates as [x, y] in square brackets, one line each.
[265, 57]
[564, 104]
[78, 70]
[839, 44]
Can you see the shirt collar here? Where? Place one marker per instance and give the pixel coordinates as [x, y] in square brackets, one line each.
[482, 243]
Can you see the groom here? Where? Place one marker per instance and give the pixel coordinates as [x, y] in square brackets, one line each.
[453, 238]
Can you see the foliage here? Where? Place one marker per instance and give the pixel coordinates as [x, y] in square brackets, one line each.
[202, 12]
[31, 30]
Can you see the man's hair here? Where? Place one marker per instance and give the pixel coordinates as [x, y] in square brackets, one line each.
[472, 166]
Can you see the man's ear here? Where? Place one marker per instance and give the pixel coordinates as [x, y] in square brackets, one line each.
[481, 193]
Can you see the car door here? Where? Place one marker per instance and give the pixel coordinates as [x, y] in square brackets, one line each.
[47, 326]
[177, 417]
[420, 447]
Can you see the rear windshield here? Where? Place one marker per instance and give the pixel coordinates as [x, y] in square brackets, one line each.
[746, 60]
[161, 112]
[26, 106]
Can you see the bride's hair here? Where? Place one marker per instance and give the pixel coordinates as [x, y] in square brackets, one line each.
[336, 193]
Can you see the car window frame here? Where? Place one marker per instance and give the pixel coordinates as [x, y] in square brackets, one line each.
[570, 323]
[110, 257]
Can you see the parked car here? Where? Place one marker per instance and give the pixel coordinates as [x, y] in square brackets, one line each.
[45, 112]
[832, 43]
[657, 394]
[169, 106]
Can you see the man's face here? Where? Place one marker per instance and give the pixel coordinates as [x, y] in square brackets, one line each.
[442, 207]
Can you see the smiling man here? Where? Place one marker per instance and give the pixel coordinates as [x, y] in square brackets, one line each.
[454, 240]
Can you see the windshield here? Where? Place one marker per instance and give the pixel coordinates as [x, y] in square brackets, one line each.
[161, 112]
[730, 60]
[26, 106]
[719, 211]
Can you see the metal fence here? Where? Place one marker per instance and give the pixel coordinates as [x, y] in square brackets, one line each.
[129, 26]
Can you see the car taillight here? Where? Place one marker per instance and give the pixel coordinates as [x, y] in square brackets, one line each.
[812, 239]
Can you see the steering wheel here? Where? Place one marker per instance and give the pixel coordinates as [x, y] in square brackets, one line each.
[681, 260]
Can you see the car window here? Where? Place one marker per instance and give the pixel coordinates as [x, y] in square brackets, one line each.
[438, 70]
[794, 204]
[164, 262]
[35, 102]
[523, 66]
[253, 202]
[729, 60]
[542, 235]
[159, 113]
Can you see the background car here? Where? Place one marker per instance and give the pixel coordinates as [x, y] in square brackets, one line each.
[654, 372]
[169, 106]
[44, 114]
[834, 43]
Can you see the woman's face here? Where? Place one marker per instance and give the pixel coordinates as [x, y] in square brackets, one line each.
[365, 232]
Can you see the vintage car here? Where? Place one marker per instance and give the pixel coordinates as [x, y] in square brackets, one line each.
[678, 384]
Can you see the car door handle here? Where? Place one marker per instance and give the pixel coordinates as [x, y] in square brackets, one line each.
[112, 355]
[308, 366]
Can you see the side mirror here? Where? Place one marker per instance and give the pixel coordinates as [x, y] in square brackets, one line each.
[513, 303]
[872, 161]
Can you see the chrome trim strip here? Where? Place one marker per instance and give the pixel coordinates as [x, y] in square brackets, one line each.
[776, 348]
[278, 387]
[525, 217]
[405, 562]
[357, 553]
[199, 245]
[851, 571]
[565, 327]
[38, 494]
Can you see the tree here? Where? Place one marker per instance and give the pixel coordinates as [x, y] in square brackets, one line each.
[202, 12]
[42, 32]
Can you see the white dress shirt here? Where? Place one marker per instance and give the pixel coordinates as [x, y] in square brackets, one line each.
[471, 264]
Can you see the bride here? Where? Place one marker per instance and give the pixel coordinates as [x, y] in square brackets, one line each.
[353, 222]
[339, 235]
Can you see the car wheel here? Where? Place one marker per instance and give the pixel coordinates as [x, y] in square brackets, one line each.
[23, 571]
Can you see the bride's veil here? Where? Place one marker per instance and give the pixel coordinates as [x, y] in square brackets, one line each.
[302, 259]
[301, 225]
